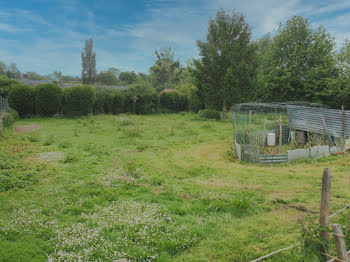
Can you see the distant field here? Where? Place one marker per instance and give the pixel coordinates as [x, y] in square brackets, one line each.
[144, 188]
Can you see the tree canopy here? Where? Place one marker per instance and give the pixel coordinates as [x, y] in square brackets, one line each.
[88, 63]
[226, 69]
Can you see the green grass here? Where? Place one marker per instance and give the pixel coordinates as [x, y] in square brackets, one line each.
[159, 187]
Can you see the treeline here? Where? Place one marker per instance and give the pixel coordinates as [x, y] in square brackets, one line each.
[299, 63]
[50, 99]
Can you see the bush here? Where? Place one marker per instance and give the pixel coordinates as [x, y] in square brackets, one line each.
[173, 101]
[22, 99]
[9, 117]
[209, 114]
[108, 103]
[78, 100]
[6, 84]
[118, 102]
[98, 107]
[142, 100]
[48, 99]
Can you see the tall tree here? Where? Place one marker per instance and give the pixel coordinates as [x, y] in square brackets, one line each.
[2, 68]
[166, 69]
[13, 72]
[88, 63]
[301, 65]
[226, 69]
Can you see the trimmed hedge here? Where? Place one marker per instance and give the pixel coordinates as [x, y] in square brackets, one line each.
[209, 114]
[78, 100]
[142, 100]
[118, 102]
[48, 99]
[22, 98]
[173, 101]
[98, 107]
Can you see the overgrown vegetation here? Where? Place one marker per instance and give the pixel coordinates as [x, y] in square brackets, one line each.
[154, 187]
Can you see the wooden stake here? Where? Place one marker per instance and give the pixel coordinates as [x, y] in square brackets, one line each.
[326, 129]
[234, 126]
[325, 200]
[280, 134]
[340, 242]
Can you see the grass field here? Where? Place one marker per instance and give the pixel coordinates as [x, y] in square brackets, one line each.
[143, 188]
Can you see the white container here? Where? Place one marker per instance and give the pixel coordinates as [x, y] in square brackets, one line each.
[271, 139]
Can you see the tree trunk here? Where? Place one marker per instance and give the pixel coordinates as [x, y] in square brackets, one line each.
[224, 109]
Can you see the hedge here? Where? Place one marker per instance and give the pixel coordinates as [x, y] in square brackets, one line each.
[173, 101]
[48, 99]
[142, 100]
[22, 98]
[78, 100]
[209, 114]
[118, 102]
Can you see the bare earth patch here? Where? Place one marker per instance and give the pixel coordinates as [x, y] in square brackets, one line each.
[27, 128]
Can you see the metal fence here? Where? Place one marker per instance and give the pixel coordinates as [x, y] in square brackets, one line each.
[3, 105]
[319, 120]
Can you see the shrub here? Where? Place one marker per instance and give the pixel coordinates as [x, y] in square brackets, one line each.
[108, 103]
[209, 114]
[22, 99]
[142, 100]
[6, 84]
[48, 99]
[194, 101]
[9, 117]
[78, 100]
[118, 102]
[173, 101]
[99, 103]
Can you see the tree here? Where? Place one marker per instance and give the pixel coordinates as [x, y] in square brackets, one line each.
[301, 64]
[166, 69]
[2, 68]
[339, 94]
[226, 69]
[13, 72]
[34, 76]
[108, 77]
[88, 63]
[128, 78]
[264, 45]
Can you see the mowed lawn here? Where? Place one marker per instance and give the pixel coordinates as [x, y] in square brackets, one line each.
[155, 187]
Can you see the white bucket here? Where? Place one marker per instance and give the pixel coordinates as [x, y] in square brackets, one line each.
[271, 139]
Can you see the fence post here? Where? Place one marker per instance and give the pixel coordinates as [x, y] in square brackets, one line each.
[325, 200]
[340, 242]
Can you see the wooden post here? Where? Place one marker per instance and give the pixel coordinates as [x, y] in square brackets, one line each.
[234, 126]
[281, 134]
[343, 129]
[325, 199]
[264, 137]
[326, 129]
[342, 254]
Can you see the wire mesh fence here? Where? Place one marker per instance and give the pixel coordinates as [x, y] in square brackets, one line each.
[275, 129]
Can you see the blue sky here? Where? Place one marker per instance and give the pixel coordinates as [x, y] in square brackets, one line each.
[45, 35]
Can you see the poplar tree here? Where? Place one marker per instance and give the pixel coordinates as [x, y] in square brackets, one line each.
[88, 63]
